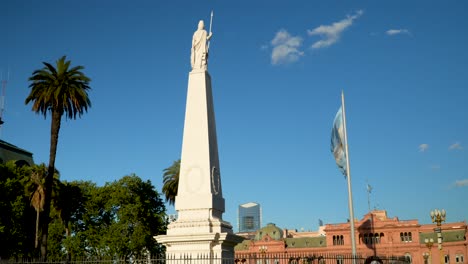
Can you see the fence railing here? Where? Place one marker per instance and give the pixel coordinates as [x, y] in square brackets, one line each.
[239, 259]
[326, 258]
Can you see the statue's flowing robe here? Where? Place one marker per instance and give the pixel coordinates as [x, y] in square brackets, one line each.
[199, 49]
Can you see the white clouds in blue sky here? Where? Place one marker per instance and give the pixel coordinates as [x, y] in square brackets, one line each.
[456, 146]
[423, 147]
[286, 48]
[401, 31]
[332, 33]
[461, 183]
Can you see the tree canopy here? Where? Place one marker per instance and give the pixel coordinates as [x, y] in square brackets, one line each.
[117, 220]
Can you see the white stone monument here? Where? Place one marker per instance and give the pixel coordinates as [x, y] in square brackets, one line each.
[199, 231]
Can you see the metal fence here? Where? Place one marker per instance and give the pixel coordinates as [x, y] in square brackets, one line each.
[239, 259]
[319, 259]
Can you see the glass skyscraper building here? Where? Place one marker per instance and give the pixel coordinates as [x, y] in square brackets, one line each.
[249, 217]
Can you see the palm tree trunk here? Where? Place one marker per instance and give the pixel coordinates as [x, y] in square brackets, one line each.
[68, 234]
[49, 179]
[36, 242]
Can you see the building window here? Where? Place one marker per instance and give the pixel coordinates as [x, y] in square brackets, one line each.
[371, 238]
[293, 261]
[339, 260]
[408, 258]
[459, 258]
[248, 222]
[321, 260]
[338, 240]
[377, 238]
[406, 237]
[446, 259]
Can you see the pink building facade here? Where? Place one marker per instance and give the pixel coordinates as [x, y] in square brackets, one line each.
[376, 235]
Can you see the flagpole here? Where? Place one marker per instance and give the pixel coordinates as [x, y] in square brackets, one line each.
[348, 177]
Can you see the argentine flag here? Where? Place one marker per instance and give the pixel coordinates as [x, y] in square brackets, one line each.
[338, 141]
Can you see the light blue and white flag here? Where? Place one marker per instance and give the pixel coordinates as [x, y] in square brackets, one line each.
[338, 141]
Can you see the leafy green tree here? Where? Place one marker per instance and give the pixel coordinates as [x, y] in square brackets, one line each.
[68, 201]
[17, 216]
[59, 91]
[55, 248]
[138, 214]
[171, 181]
[85, 208]
[117, 220]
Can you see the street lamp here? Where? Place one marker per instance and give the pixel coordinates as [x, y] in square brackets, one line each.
[263, 250]
[438, 217]
[428, 256]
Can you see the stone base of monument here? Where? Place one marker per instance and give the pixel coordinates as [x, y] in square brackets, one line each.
[215, 246]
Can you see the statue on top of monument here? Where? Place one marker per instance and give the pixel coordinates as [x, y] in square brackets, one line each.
[200, 45]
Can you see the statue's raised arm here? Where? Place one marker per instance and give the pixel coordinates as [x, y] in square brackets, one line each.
[199, 54]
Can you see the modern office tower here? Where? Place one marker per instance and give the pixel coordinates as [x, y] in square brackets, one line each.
[249, 217]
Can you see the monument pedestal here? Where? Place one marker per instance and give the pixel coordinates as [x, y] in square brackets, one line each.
[199, 231]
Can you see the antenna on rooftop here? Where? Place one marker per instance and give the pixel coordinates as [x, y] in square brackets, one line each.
[2, 97]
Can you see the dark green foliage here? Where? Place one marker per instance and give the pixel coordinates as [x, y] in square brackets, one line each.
[171, 181]
[17, 217]
[132, 213]
[117, 220]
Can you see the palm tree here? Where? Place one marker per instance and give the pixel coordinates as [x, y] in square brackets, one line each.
[37, 197]
[58, 91]
[171, 181]
[36, 185]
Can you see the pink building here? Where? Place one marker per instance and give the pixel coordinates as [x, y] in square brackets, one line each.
[376, 235]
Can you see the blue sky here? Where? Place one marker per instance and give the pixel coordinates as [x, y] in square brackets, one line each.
[277, 70]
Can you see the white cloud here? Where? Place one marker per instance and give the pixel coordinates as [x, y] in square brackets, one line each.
[423, 147]
[461, 183]
[332, 33]
[455, 146]
[392, 32]
[285, 48]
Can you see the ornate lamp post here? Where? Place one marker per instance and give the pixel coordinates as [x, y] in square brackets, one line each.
[428, 256]
[438, 217]
[263, 250]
